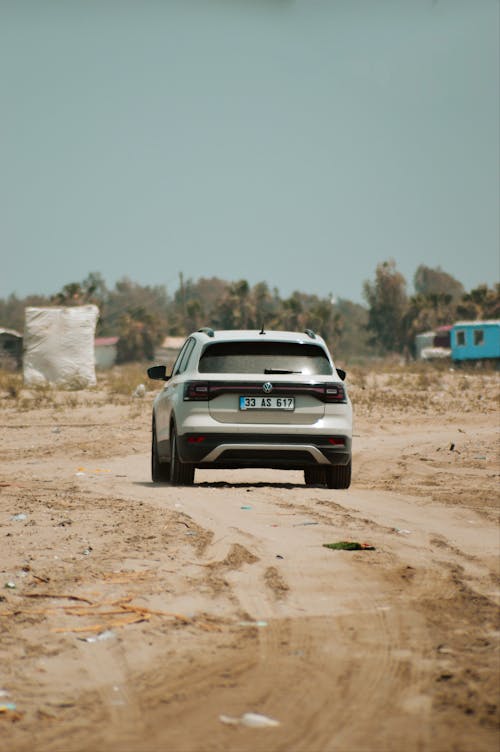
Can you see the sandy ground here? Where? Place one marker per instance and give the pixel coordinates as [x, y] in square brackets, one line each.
[143, 612]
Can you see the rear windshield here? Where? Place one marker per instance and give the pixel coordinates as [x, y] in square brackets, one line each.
[264, 357]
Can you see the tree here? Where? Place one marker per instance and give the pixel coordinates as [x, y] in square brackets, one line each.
[127, 297]
[139, 334]
[429, 281]
[91, 290]
[426, 313]
[354, 337]
[387, 301]
[480, 303]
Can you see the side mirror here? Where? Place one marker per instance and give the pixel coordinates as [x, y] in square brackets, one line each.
[341, 373]
[159, 373]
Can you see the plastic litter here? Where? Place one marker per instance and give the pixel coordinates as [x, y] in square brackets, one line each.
[252, 623]
[350, 546]
[246, 506]
[251, 720]
[279, 556]
[402, 531]
[108, 634]
[118, 697]
[139, 391]
[19, 517]
[10, 585]
[87, 551]
[4, 693]
[305, 524]
[9, 712]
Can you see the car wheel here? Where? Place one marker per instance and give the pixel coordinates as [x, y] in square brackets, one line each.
[314, 476]
[181, 473]
[160, 471]
[338, 476]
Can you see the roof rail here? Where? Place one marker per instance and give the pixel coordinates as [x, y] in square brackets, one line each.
[207, 330]
[310, 333]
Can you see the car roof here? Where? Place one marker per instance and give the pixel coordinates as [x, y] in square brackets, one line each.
[237, 335]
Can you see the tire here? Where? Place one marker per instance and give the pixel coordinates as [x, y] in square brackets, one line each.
[339, 476]
[181, 473]
[314, 476]
[160, 471]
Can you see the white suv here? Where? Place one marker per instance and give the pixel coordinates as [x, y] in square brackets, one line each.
[239, 399]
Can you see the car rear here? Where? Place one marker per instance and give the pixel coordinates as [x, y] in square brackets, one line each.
[272, 400]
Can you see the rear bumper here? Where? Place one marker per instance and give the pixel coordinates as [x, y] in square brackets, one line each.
[279, 451]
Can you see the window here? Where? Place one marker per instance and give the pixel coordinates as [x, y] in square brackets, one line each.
[478, 336]
[265, 357]
[181, 362]
[460, 338]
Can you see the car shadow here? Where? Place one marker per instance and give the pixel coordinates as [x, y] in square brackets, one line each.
[221, 484]
[260, 484]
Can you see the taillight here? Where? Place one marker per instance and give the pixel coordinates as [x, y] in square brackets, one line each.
[196, 391]
[335, 393]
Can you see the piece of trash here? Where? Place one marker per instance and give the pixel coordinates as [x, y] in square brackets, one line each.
[452, 447]
[304, 524]
[118, 697]
[444, 649]
[479, 457]
[279, 556]
[79, 474]
[251, 720]
[8, 706]
[87, 551]
[402, 531]
[139, 391]
[10, 715]
[246, 506]
[252, 623]
[350, 546]
[10, 585]
[190, 532]
[4, 693]
[108, 634]
[19, 517]
[56, 430]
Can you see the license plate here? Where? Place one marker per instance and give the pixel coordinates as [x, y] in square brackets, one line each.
[267, 403]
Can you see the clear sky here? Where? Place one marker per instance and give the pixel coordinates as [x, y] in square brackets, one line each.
[299, 142]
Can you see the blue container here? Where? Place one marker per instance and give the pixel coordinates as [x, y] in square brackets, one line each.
[475, 340]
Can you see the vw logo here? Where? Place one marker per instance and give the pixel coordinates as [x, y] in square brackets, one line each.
[267, 387]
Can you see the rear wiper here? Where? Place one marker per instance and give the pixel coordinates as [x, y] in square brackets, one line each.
[279, 370]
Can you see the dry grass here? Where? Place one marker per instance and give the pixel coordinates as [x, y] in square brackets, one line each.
[394, 387]
[124, 380]
[427, 387]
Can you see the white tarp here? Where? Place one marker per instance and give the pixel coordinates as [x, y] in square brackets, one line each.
[59, 346]
[435, 353]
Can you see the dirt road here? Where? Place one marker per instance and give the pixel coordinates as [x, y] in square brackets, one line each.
[141, 613]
